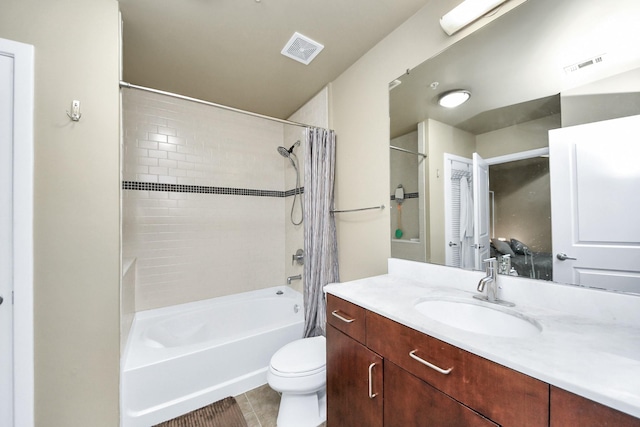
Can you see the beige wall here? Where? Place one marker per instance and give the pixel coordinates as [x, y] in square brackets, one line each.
[76, 225]
[441, 139]
[360, 116]
[514, 139]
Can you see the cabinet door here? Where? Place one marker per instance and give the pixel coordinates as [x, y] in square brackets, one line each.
[409, 401]
[568, 409]
[354, 375]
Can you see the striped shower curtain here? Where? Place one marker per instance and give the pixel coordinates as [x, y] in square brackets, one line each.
[320, 245]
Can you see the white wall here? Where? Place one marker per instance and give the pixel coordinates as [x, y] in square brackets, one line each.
[360, 116]
[76, 203]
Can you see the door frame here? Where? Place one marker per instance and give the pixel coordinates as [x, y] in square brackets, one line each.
[23, 160]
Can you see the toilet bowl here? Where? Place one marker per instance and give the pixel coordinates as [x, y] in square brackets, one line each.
[298, 372]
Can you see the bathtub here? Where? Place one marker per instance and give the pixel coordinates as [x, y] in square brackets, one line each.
[183, 357]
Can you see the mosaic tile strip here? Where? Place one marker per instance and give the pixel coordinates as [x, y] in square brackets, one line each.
[407, 196]
[177, 188]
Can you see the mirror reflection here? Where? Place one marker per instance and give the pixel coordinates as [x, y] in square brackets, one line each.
[546, 71]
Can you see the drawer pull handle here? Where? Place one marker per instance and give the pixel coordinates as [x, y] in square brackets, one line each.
[412, 354]
[371, 393]
[344, 319]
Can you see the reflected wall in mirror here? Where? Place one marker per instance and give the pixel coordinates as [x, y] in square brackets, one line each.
[534, 74]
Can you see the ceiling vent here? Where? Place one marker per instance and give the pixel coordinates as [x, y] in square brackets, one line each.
[596, 60]
[302, 48]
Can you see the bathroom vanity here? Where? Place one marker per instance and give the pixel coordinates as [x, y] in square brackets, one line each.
[391, 364]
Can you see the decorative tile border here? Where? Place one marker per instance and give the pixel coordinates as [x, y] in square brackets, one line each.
[407, 196]
[177, 188]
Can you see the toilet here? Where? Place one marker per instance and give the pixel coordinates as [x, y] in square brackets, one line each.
[298, 371]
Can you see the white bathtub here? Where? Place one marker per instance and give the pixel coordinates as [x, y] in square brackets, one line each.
[183, 357]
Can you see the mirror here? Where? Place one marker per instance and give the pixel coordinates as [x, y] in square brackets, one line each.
[542, 67]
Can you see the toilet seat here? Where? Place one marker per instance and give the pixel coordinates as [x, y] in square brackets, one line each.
[304, 357]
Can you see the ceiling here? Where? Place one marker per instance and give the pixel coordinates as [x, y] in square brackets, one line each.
[515, 66]
[228, 51]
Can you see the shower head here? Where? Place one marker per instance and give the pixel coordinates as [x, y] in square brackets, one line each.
[284, 152]
[287, 153]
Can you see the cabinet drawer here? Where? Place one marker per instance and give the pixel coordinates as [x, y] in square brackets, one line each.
[346, 317]
[499, 393]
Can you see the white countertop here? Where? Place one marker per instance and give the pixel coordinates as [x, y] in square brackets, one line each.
[590, 339]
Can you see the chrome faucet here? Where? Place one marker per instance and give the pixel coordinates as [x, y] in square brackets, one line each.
[490, 282]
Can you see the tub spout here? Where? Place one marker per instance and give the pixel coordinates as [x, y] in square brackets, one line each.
[296, 277]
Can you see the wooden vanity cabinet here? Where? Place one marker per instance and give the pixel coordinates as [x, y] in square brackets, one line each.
[568, 409]
[369, 355]
[501, 394]
[354, 382]
[354, 372]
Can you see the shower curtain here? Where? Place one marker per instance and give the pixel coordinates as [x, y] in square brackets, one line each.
[320, 245]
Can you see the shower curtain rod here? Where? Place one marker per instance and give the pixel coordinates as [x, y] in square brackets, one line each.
[212, 104]
[417, 153]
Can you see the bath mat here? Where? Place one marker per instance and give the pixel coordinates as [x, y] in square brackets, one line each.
[223, 413]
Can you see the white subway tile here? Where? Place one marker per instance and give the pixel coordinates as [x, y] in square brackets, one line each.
[166, 146]
[158, 154]
[166, 179]
[147, 161]
[157, 137]
[166, 131]
[147, 144]
[157, 170]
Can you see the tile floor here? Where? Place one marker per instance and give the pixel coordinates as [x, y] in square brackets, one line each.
[260, 406]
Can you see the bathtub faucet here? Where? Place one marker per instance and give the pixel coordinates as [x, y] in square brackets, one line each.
[296, 277]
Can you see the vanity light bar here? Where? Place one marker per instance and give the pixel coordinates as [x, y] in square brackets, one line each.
[465, 13]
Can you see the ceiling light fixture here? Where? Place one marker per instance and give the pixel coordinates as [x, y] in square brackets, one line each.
[465, 13]
[453, 98]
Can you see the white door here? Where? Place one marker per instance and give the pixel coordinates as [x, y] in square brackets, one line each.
[16, 234]
[481, 210]
[455, 167]
[595, 204]
[6, 239]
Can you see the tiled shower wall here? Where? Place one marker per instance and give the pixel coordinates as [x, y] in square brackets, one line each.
[222, 239]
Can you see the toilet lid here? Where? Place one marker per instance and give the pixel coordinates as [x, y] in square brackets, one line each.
[301, 356]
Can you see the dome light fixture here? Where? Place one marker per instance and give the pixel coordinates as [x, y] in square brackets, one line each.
[453, 98]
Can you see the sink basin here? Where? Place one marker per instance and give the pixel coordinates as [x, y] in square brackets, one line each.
[478, 317]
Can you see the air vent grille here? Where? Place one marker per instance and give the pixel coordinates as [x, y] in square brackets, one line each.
[302, 48]
[586, 63]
